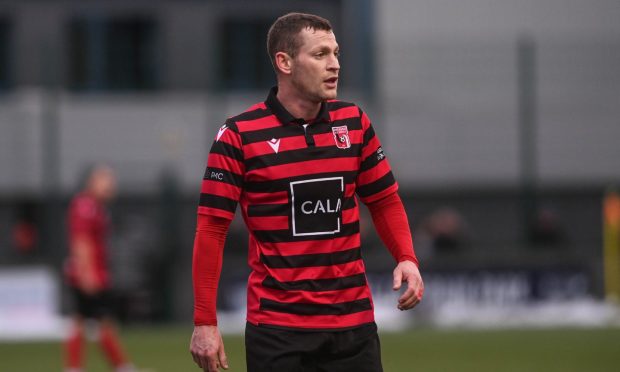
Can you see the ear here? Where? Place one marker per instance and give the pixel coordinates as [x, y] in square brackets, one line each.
[283, 63]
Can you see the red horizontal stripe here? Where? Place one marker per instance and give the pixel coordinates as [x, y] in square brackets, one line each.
[344, 113]
[349, 190]
[318, 272]
[327, 297]
[216, 212]
[371, 147]
[257, 106]
[278, 197]
[380, 195]
[231, 138]
[310, 246]
[373, 173]
[282, 222]
[350, 215]
[311, 321]
[268, 223]
[303, 168]
[226, 163]
[263, 148]
[221, 189]
[258, 124]
[365, 120]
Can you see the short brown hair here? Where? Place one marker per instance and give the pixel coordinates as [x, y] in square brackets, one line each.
[283, 35]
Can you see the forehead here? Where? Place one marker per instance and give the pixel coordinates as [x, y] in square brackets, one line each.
[311, 38]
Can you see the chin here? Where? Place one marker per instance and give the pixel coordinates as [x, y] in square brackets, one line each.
[331, 94]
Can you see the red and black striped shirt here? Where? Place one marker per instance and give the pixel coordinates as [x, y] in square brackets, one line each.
[296, 183]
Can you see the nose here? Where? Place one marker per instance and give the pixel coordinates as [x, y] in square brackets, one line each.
[334, 64]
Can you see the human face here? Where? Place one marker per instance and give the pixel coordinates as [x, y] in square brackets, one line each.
[103, 183]
[315, 68]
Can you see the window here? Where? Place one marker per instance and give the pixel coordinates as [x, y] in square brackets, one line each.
[113, 53]
[244, 62]
[4, 54]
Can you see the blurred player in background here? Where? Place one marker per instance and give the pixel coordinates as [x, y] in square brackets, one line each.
[295, 163]
[87, 272]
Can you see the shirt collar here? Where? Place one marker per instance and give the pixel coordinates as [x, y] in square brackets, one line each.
[286, 117]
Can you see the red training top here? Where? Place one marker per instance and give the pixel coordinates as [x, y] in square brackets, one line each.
[87, 217]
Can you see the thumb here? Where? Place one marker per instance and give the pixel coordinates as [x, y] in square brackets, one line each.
[398, 278]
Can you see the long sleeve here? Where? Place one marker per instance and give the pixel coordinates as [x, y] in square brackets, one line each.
[390, 219]
[207, 265]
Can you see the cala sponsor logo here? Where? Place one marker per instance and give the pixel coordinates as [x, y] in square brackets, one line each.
[321, 206]
[316, 206]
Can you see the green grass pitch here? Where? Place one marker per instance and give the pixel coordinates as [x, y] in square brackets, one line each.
[166, 349]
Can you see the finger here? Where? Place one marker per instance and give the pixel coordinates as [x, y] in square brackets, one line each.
[398, 279]
[412, 287]
[195, 356]
[212, 363]
[222, 357]
[407, 295]
[410, 304]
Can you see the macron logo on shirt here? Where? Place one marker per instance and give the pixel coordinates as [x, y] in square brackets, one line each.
[220, 132]
[275, 144]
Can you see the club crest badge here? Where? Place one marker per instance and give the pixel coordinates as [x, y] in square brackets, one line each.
[341, 136]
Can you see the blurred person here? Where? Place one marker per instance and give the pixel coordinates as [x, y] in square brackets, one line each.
[25, 231]
[546, 231]
[295, 162]
[443, 232]
[87, 271]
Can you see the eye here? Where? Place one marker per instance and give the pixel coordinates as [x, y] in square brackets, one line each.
[337, 54]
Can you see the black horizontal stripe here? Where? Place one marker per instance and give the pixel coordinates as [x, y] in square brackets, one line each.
[292, 130]
[265, 134]
[222, 175]
[219, 202]
[268, 210]
[341, 308]
[370, 161]
[250, 115]
[377, 186]
[316, 285]
[352, 124]
[282, 236]
[337, 105]
[300, 155]
[283, 184]
[223, 148]
[368, 135]
[348, 203]
[308, 260]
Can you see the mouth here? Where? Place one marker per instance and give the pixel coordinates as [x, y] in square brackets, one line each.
[331, 81]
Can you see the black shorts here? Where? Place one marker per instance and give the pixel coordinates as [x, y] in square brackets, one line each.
[95, 306]
[271, 349]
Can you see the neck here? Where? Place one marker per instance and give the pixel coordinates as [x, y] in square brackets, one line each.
[296, 104]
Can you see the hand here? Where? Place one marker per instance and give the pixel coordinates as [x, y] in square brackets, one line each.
[207, 348]
[407, 271]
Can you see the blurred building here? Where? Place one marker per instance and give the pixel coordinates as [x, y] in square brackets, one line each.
[490, 108]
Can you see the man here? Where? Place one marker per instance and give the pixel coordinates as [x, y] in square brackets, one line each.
[87, 271]
[295, 163]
